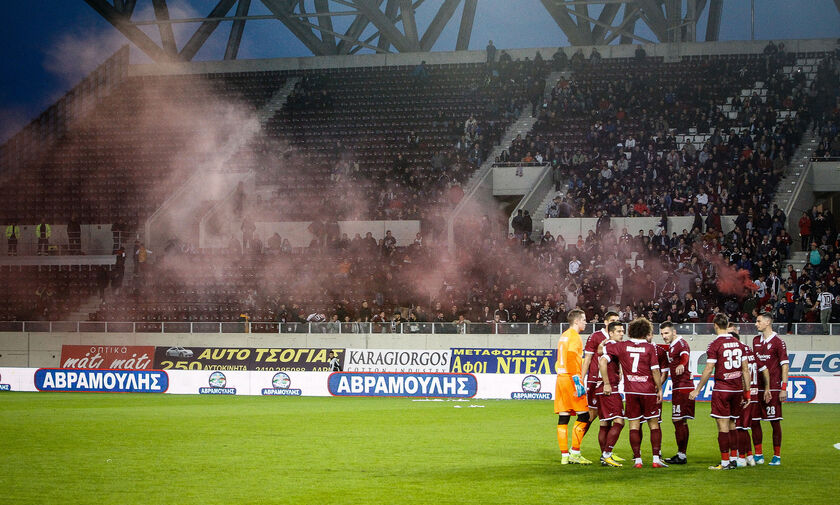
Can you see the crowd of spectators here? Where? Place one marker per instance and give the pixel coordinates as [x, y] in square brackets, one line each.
[666, 275]
[628, 162]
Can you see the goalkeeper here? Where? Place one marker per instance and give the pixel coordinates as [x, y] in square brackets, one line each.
[570, 393]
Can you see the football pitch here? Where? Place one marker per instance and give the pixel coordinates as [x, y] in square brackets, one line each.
[144, 449]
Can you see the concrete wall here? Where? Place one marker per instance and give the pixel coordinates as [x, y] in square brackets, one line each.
[448, 57]
[825, 176]
[96, 238]
[506, 182]
[44, 349]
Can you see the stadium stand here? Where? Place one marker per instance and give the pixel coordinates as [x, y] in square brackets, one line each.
[398, 142]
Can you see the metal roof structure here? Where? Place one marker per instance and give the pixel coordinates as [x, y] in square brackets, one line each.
[390, 25]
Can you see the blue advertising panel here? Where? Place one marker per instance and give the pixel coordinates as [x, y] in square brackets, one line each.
[423, 385]
[102, 381]
[801, 388]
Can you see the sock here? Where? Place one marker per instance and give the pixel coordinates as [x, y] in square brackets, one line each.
[612, 436]
[678, 432]
[563, 437]
[757, 436]
[777, 437]
[743, 442]
[602, 436]
[656, 443]
[681, 434]
[723, 444]
[636, 443]
[586, 428]
[733, 444]
[681, 455]
[578, 431]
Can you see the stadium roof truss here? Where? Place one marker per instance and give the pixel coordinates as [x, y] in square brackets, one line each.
[389, 25]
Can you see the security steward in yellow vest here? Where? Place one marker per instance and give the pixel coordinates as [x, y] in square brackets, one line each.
[43, 232]
[12, 234]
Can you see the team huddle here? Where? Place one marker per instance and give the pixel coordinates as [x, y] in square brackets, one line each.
[750, 384]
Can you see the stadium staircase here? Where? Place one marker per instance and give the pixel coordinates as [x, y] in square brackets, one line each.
[479, 187]
[85, 309]
[182, 213]
[537, 200]
[277, 101]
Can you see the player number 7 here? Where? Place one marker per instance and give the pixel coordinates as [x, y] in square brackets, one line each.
[636, 356]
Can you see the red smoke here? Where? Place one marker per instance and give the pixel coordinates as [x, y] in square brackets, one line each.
[729, 280]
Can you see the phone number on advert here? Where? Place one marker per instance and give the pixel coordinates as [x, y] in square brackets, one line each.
[197, 365]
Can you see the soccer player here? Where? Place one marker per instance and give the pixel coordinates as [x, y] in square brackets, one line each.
[682, 409]
[569, 392]
[771, 351]
[642, 386]
[731, 391]
[610, 408]
[752, 411]
[593, 375]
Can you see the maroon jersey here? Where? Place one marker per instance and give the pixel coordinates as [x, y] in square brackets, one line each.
[593, 375]
[662, 357]
[771, 353]
[676, 351]
[613, 371]
[755, 367]
[638, 360]
[725, 354]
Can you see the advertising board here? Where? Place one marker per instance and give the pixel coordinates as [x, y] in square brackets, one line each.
[513, 361]
[107, 357]
[101, 381]
[397, 360]
[422, 385]
[244, 358]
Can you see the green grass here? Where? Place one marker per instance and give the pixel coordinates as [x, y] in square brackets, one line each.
[100, 448]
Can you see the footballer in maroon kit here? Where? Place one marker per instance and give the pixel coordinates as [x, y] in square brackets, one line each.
[771, 351]
[682, 408]
[751, 412]
[593, 376]
[731, 391]
[642, 385]
[610, 407]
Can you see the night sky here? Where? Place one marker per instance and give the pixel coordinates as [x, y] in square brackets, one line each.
[52, 44]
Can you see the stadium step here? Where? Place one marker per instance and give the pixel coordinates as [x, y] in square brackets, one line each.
[276, 102]
[85, 309]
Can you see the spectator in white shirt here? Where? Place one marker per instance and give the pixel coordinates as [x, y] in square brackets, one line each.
[825, 299]
[574, 265]
[702, 197]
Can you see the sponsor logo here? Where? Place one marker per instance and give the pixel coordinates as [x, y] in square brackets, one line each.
[5, 387]
[386, 360]
[107, 357]
[531, 387]
[815, 363]
[801, 388]
[236, 358]
[101, 381]
[217, 382]
[281, 386]
[426, 385]
[510, 361]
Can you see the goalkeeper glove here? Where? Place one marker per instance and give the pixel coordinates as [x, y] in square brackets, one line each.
[579, 389]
